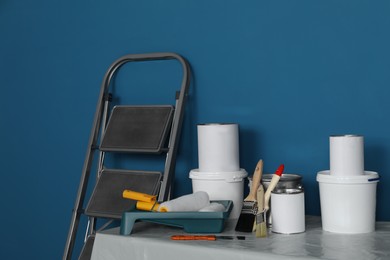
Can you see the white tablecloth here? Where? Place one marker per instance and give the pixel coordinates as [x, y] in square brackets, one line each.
[152, 241]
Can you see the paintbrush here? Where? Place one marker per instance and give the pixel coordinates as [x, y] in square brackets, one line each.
[205, 237]
[260, 200]
[249, 207]
[263, 215]
[261, 223]
[274, 181]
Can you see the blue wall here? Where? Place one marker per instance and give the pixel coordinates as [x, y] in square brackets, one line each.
[291, 73]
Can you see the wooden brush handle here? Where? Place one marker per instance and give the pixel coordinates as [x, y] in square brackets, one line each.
[260, 198]
[255, 181]
[274, 181]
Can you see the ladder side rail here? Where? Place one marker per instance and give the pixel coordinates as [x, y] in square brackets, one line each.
[91, 227]
[92, 146]
[170, 165]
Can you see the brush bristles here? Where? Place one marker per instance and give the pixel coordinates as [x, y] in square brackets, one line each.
[247, 216]
[261, 224]
[261, 229]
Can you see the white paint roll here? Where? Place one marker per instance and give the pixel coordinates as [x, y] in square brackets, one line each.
[191, 202]
[213, 207]
[346, 155]
[218, 148]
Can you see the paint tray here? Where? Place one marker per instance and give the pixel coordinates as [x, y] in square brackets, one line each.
[191, 222]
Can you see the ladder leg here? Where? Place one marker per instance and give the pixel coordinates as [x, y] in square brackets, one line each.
[71, 236]
[77, 210]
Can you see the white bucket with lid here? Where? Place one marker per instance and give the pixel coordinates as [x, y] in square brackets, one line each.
[221, 186]
[348, 203]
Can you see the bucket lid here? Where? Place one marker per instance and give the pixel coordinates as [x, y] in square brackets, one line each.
[367, 177]
[235, 176]
[215, 124]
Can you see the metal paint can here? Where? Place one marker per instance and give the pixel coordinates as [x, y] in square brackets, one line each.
[287, 181]
[288, 211]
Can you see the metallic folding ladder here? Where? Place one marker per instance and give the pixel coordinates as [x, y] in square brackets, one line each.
[133, 129]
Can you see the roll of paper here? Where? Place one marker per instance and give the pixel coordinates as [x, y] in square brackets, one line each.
[218, 148]
[346, 155]
[191, 202]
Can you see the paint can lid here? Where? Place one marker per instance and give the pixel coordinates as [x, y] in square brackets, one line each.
[286, 177]
[287, 191]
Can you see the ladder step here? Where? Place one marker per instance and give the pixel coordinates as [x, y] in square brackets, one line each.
[106, 199]
[137, 129]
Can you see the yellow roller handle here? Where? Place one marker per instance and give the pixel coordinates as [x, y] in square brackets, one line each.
[149, 206]
[133, 195]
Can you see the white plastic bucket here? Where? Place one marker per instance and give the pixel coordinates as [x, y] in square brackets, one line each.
[348, 203]
[221, 186]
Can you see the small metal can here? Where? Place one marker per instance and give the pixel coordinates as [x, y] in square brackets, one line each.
[287, 181]
[288, 211]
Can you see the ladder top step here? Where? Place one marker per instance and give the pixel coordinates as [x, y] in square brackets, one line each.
[142, 129]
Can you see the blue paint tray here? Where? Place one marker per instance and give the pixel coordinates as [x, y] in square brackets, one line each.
[191, 222]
